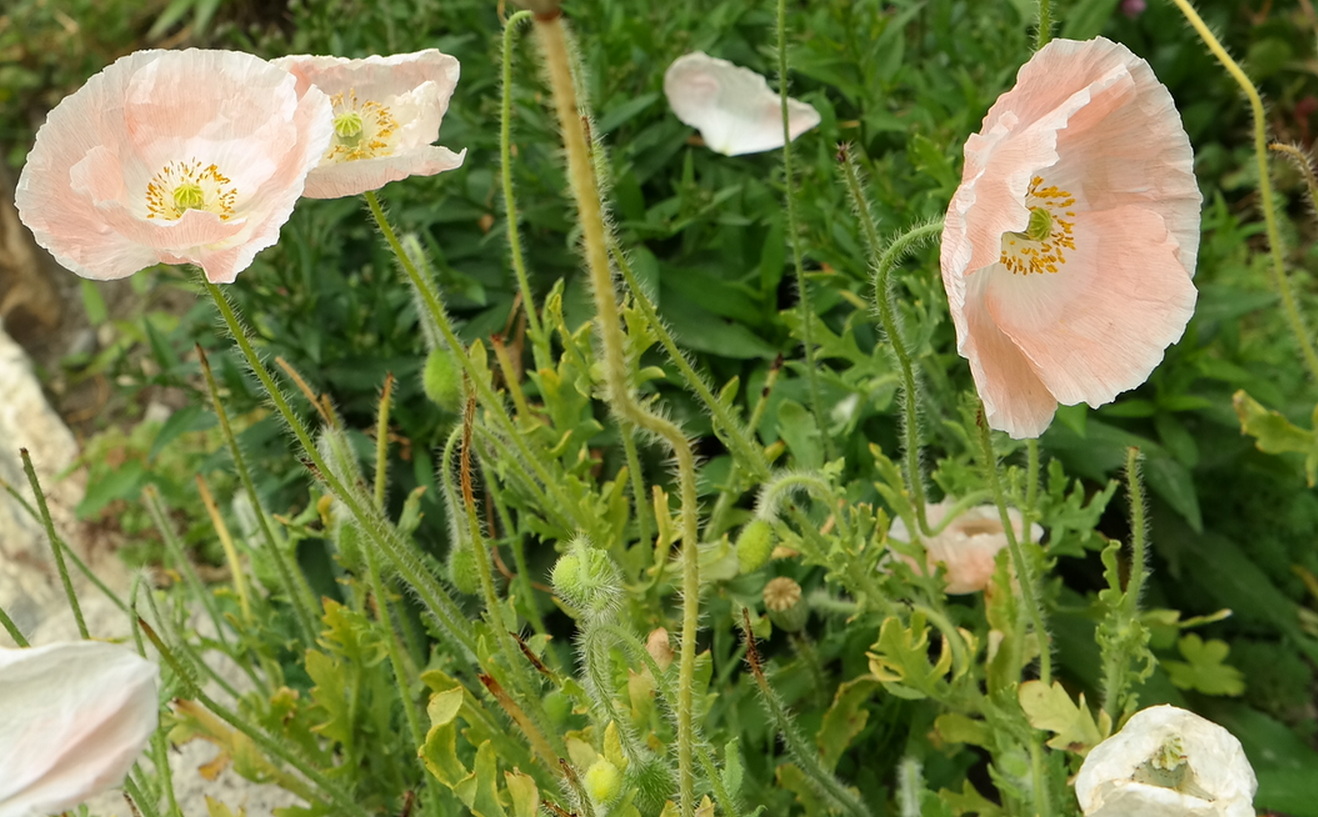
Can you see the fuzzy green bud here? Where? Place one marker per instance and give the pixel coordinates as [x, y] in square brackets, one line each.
[462, 569]
[442, 380]
[603, 781]
[653, 781]
[754, 545]
[587, 578]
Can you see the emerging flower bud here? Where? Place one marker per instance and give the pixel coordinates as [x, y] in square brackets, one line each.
[603, 781]
[1167, 762]
[754, 545]
[587, 578]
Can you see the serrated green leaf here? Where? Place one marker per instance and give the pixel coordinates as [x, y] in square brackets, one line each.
[1051, 708]
[845, 718]
[1204, 669]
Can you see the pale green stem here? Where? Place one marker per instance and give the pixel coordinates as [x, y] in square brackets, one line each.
[56, 544]
[640, 502]
[409, 567]
[1117, 680]
[534, 328]
[299, 594]
[1033, 609]
[1266, 202]
[1024, 570]
[585, 190]
[793, 231]
[512, 656]
[1031, 485]
[1044, 26]
[12, 629]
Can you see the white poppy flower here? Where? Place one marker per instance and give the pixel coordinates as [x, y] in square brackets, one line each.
[74, 717]
[731, 106]
[1167, 762]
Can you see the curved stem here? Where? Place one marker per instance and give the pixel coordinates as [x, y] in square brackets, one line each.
[585, 190]
[534, 328]
[1266, 201]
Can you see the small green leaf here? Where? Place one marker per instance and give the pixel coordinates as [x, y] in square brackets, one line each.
[1051, 708]
[1204, 669]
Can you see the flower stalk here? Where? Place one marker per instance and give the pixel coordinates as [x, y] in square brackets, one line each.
[552, 38]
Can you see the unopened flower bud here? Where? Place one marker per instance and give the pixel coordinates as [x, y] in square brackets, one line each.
[603, 781]
[754, 545]
[442, 380]
[782, 598]
[462, 569]
[587, 578]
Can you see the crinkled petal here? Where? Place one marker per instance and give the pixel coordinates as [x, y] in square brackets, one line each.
[73, 719]
[1100, 326]
[731, 106]
[334, 181]
[84, 191]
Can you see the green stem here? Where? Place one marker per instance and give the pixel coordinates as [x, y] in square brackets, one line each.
[299, 594]
[1043, 31]
[1024, 571]
[534, 328]
[1266, 200]
[56, 544]
[437, 601]
[12, 628]
[793, 229]
[552, 38]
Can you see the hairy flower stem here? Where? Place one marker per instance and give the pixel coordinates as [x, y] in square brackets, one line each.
[1116, 670]
[57, 544]
[1043, 30]
[11, 628]
[1024, 571]
[552, 38]
[885, 305]
[408, 566]
[1267, 202]
[299, 594]
[534, 328]
[793, 231]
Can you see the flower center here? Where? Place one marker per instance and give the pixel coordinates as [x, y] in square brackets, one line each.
[182, 186]
[1043, 245]
[1169, 768]
[362, 130]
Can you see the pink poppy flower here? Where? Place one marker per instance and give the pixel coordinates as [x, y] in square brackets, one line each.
[1068, 249]
[74, 717]
[967, 546]
[387, 112]
[172, 157]
[731, 106]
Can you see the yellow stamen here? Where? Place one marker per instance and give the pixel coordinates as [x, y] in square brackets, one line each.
[182, 186]
[1047, 237]
[362, 130]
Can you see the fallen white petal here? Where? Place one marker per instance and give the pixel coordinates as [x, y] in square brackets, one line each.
[731, 106]
[73, 719]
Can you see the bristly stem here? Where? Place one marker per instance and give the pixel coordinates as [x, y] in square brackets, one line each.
[409, 567]
[56, 543]
[1024, 570]
[1043, 31]
[534, 328]
[299, 595]
[885, 305]
[794, 238]
[552, 38]
[1267, 201]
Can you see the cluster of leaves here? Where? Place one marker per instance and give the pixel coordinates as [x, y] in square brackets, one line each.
[868, 684]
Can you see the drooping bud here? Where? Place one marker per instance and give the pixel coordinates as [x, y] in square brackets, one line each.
[587, 578]
[754, 545]
[462, 569]
[442, 380]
